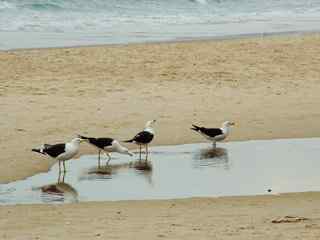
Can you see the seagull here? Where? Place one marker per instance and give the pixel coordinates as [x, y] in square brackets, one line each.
[144, 137]
[61, 151]
[214, 134]
[106, 145]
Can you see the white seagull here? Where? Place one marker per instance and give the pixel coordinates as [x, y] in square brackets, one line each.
[144, 137]
[214, 134]
[106, 145]
[61, 151]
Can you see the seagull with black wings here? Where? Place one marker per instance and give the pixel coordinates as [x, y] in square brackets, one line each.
[214, 134]
[61, 151]
[144, 137]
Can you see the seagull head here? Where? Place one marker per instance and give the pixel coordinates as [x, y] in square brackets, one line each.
[228, 124]
[150, 123]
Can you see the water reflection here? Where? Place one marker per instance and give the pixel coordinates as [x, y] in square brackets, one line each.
[103, 173]
[190, 170]
[211, 157]
[143, 169]
[59, 191]
[142, 165]
[136, 168]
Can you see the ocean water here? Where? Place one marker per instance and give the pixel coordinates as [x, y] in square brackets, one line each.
[46, 23]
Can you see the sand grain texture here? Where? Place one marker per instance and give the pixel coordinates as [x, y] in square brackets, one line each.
[196, 218]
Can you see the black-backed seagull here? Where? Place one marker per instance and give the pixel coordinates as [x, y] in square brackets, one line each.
[144, 137]
[61, 151]
[214, 134]
[106, 145]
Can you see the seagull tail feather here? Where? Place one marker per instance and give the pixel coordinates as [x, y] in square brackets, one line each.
[82, 137]
[38, 150]
[195, 128]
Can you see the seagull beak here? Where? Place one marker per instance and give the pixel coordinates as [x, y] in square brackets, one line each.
[232, 123]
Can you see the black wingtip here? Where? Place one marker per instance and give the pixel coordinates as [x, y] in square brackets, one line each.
[128, 141]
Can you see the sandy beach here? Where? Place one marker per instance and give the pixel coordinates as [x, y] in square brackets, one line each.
[196, 218]
[268, 86]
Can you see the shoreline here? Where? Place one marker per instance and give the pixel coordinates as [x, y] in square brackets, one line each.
[244, 36]
[228, 197]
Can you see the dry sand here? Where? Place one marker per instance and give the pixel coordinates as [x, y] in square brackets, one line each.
[268, 86]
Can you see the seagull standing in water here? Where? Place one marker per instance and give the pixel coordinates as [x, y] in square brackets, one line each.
[106, 145]
[61, 151]
[144, 137]
[214, 134]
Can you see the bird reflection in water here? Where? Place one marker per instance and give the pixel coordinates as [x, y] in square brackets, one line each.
[103, 173]
[144, 172]
[142, 165]
[210, 157]
[60, 191]
[119, 170]
[143, 169]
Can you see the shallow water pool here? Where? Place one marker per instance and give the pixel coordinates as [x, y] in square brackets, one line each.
[181, 171]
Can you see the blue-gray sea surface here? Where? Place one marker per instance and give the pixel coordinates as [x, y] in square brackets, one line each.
[51, 23]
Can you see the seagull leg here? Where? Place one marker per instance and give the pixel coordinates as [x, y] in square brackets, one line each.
[64, 174]
[59, 167]
[64, 166]
[147, 152]
[214, 144]
[59, 173]
[140, 153]
[109, 158]
[99, 158]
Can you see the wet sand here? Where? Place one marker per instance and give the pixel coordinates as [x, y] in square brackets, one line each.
[268, 86]
[196, 218]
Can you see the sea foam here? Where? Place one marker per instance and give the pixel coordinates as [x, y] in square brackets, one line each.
[124, 21]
